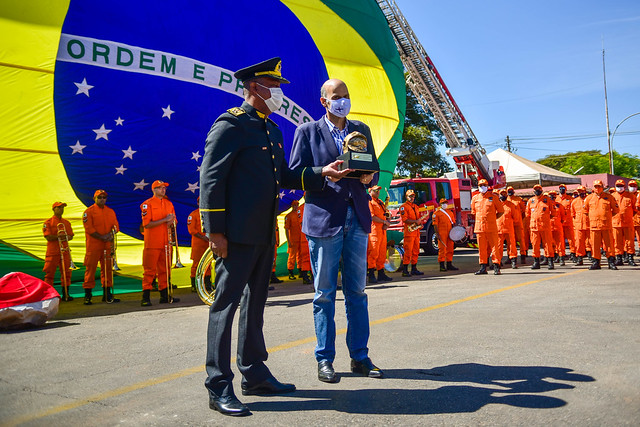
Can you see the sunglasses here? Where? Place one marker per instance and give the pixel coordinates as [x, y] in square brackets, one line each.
[102, 197]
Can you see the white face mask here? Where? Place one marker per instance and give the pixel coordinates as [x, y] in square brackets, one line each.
[277, 98]
[339, 107]
[483, 189]
[444, 206]
[633, 189]
[619, 189]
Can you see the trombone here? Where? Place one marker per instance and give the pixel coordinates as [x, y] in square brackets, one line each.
[114, 248]
[64, 237]
[173, 241]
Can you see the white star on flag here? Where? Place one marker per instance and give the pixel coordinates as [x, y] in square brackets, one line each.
[292, 191]
[77, 148]
[281, 194]
[192, 187]
[120, 170]
[140, 185]
[195, 156]
[102, 133]
[167, 112]
[128, 153]
[198, 169]
[83, 87]
[119, 121]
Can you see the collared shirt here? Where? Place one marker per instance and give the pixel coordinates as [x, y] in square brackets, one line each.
[337, 134]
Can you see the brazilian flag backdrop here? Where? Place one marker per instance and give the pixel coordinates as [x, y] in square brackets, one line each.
[114, 95]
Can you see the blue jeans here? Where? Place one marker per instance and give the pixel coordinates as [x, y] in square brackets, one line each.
[350, 245]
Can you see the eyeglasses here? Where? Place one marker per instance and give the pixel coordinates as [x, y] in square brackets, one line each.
[102, 197]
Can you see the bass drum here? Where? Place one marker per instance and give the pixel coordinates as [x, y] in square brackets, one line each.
[204, 265]
[457, 233]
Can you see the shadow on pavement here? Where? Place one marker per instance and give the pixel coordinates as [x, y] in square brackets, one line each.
[508, 385]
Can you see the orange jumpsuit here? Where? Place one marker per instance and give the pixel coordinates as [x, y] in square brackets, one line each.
[102, 221]
[580, 226]
[198, 246]
[636, 220]
[600, 210]
[156, 252]
[304, 258]
[539, 214]
[377, 249]
[518, 224]
[567, 225]
[293, 225]
[506, 230]
[52, 256]
[486, 208]
[623, 223]
[444, 220]
[557, 228]
[411, 243]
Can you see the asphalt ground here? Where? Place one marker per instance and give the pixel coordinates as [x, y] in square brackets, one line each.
[527, 347]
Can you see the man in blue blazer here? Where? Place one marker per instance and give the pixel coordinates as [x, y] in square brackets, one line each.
[337, 222]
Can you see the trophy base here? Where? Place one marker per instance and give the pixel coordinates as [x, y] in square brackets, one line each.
[362, 163]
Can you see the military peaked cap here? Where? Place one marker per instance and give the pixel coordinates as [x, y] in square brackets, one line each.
[269, 68]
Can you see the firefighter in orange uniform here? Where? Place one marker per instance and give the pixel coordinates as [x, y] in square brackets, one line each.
[518, 223]
[567, 225]
[304, 258]
[157, 214]
[377, 249]
[580, 225]
[600, 207]
[199, 244]
[410, 214]
[292, 229]
[274, 278]
[539, 213]
[506, 229]
[99, 225]
[486, 208]
[633, 190]
[557, 228]
[52, 258]
[443, 220]
[623, 224]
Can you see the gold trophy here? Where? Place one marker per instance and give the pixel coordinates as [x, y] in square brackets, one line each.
[355, 156]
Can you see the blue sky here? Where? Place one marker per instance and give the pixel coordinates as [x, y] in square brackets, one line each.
[533, 70]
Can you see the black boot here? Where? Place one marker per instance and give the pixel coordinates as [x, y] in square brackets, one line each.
[544, 260]
[496, 269]
[87, 297]
[193, 284]
[371, 276]
[415, 271]
[562, 258]
[579, 260]
[556, 258]
[483, 269]
[306, 278]
[523, 259]
[207, 284]
[536, 264]
[382, 276]
[612, 263]
[572, 257]
[619, 260]
[450, 266]
[146, 298]
[595, 264]
[291, 275]
[405, 270]
[64, 295]
[631, 261]
[442, 266]
[514, 263]
[550, 267]
[590, 257]
[165, 299]
[274, 278]
[154, 284]
[110, 298]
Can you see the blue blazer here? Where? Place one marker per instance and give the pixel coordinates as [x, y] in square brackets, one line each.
[326, 209]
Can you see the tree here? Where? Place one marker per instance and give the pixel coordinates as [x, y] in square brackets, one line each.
[592, 162]
[420, 140]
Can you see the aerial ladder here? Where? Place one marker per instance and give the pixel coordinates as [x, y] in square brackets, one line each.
[432, 93]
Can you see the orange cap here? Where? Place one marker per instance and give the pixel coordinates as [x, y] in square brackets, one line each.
[581, 188]
[158, 183]
[509, 188]
[633, 183]
[620, 182]
[537, 186]
[562, 186]
[483, 182]
[503, 191]
[374, 188]
[99, 192]
[409, 192]
[56, 204]
[443, 201]
[597, 182]
[554, 192]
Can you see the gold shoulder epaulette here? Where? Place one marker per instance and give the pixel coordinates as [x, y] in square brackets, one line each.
[236, 111]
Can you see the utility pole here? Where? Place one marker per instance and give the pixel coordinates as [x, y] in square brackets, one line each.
[606, 111]
[508, 144]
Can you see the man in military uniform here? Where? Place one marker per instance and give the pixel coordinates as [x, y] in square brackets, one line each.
[600, 207]
[539, 213]
[242, 171]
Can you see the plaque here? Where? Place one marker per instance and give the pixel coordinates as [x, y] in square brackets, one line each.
[355, 156]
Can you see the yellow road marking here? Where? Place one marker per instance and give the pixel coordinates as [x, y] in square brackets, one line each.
[285, 346]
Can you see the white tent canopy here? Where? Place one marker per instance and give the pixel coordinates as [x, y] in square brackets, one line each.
[523, 173]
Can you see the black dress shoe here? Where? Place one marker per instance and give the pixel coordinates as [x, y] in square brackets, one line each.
[267, 387]
[326, 373]
[229, 405]
[366, 367]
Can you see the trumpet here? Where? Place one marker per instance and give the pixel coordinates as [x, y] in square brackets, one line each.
[114, 248]
[173, 241]
[207, 296]
[418, 225]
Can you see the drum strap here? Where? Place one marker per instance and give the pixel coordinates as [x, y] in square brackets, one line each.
[445, 212]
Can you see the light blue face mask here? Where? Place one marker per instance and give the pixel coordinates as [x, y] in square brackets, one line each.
[339, 107]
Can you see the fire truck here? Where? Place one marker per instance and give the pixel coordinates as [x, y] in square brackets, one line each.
[472, 163]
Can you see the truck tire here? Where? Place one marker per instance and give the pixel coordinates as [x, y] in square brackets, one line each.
[430, 247]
